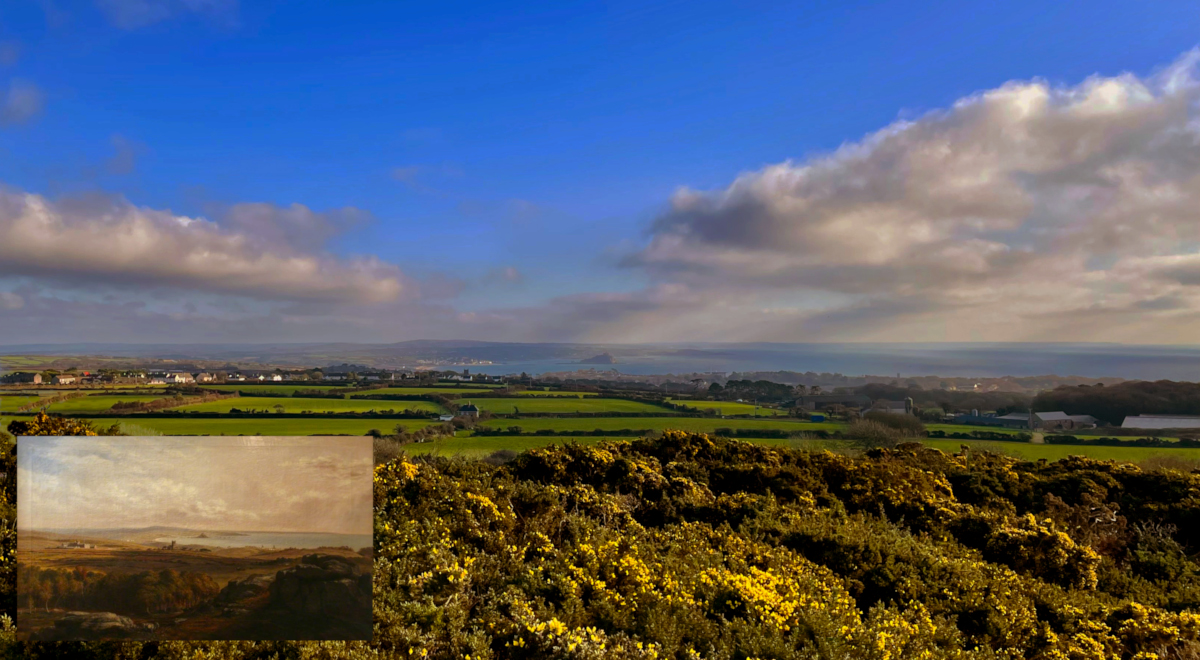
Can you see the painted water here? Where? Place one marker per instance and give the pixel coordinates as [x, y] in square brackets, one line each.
[271, 540]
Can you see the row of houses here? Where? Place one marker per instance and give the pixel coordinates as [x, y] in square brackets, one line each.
[178, 378]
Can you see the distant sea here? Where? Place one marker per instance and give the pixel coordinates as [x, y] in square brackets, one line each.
[228, 540]
[274, 540]
[962, 360]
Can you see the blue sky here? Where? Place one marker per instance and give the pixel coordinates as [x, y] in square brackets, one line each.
[517, 161]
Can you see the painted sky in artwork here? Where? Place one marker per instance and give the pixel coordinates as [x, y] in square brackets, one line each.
[186, 171]
[303, 484]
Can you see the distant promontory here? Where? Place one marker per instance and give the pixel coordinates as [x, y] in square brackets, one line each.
[603, 358]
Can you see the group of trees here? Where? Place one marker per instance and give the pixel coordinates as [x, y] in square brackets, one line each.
[143, 593]
[1111, 404]
[763, 391]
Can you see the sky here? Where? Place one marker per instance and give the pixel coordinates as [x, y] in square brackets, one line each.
[309, 484]
[655, 171]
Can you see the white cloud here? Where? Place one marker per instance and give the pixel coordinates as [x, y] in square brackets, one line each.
[265, 252]
[957, 224]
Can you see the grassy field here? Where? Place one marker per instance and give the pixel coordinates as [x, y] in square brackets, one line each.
[1033, 452]
[272, 389]
[286, 426]
[93, 404]
[730, 407]
[556, 393]
[416, 391]
[963, 428]
[24, 361]
[547, 405]
[297, 405]
[10, 402]
[478, 447]
[699, 424]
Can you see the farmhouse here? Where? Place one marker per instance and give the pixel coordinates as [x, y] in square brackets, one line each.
[468, 410]
[64, 379]
[178, 378]
[22, 377]
[205, 377]
[1161, 422]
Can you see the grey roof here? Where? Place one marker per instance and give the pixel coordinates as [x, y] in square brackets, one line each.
[1161, 422]
[1020, 417]
[1086, 419]
[1058, 416]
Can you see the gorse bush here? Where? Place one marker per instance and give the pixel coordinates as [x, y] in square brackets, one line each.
[683, 546]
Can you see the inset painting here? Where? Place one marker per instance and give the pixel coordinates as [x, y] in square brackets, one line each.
[194, 538]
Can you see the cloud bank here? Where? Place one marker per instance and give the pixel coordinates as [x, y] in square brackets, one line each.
[1029, 202]
[260, 251]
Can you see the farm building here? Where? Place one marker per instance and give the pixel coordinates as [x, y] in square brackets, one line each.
[1060, 420]
[1161, 422]
[22, 377]
[1013, 421]
[64, 379]
[904, 407]
[823, 401]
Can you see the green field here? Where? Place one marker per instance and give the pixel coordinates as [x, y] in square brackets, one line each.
[555, 393]
[963, 428]
[420, 391]
[85, 405]
[1033, 452]
[696, 424]
[24, 361]
[729, 407]
[547, 405]
[286, 426]
[298, 405]
[274, 389]
[9, 403]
